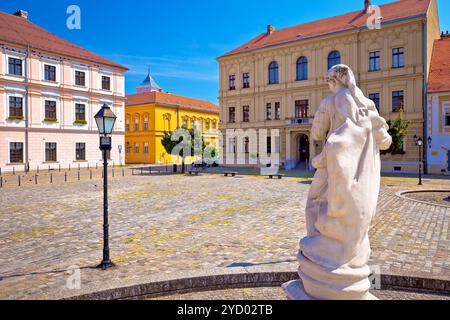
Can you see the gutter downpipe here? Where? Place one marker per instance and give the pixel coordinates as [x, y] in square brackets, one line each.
[27, 100]
[425, 97]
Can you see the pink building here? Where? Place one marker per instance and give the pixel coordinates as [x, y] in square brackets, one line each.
[50, 90]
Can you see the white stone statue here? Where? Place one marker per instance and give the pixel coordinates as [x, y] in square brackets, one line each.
[343, 198]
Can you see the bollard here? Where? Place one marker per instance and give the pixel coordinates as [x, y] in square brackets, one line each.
[69, 166]
[35, 179]
[90, 174]
[51, 177]
[113, 172]
[65, 176]
[59, 168]
[96, 166]
[37, 169]
[0, 171]
[123, 172]
[78, 175]
[78, 167]
[19, 180]
[1, 182]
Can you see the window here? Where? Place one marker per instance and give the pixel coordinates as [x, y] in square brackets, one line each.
[145, 123]
[232, 115]
[15, 66]
[136, 147]
[214, 125]
[16, 152]
[246, 144]
[50, 110]
[447, 118]
[106, 83]
[208, 125]
[232, 145]
[246, 113]
[49, 73]
[375, 97]
[302, 68]
[397, 101]
[273, 72]
[80, 112]
[185, 125]
[127, 125]
[192, 123]
[269, 111]
[80, 78]
[301, 109]
[15, 107]
[277, 111]
[50, 152]
[374, 61]
[334, 58]
[136, 124]
[145, 147]
[80, 150]
[246, 80]
[127, 147]
[232, 82]
[269, 145]
[398, 58]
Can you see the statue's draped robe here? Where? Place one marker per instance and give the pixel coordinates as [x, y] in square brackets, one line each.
[343, 198]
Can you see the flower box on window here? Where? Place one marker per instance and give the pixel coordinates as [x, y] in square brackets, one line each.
[51, 120]
[16, 118]
[81, 122]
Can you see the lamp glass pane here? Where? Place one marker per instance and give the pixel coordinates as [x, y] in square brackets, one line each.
[109, 124]
[100, 125]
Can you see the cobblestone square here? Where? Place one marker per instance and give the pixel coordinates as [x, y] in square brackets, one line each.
[172, 223]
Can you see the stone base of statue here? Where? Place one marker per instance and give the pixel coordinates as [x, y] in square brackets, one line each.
[322, 284]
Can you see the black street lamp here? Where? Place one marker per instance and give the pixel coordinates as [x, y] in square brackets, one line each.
[105, 120]
[419, 143]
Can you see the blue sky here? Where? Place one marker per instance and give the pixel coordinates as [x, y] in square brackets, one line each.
[179, 40]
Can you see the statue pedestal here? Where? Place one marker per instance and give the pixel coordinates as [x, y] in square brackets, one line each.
[295, 290]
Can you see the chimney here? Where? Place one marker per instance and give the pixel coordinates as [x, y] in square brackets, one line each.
[270, 29]
[22, 14]
[367, 4]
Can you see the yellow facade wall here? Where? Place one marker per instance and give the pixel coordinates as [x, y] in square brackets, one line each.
[161, 118]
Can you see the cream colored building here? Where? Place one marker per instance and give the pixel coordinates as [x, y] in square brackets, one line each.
[49, 93]
[276, 80]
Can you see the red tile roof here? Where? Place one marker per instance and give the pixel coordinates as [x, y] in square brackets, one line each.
[171, 99]
[350, 21]
[439, 79]
[20, 31]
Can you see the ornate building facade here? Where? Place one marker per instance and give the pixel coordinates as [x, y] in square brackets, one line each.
[49, 93]
[151, 112]
[276, 80]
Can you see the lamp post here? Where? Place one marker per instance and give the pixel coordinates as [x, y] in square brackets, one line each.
[419, 143]
[105, 120]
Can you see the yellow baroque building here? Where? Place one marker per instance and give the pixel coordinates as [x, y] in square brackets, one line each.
[151, 112]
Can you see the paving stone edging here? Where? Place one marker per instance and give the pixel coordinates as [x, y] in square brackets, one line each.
[246, 280]
[401, 194]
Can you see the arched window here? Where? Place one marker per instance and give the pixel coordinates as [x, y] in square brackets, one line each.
[127, 123]
[273, 72]
[136, 123]
[334, 58]
[302, 68]
[145, 123]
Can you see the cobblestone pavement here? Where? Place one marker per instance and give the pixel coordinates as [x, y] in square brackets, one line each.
[167, 224]
[275, 293]
[441, 198]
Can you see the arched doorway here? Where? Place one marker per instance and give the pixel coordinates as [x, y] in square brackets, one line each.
[304, 148]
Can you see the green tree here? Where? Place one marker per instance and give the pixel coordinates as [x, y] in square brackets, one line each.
[398, 129]
[169, 145]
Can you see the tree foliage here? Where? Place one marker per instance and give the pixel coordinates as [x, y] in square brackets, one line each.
[398, 129]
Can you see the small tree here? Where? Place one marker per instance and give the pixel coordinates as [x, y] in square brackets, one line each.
[169, 145]
[398, 129]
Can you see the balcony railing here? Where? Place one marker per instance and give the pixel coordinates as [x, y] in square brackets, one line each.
[300, 121]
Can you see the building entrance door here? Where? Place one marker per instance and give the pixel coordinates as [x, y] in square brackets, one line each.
[304, 148]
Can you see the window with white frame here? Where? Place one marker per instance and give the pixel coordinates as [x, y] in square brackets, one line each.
[15, 66]
[447, 117]
[50, 110]
[50, 152]
[80, 113]
[49, 72]
[15, 152]
[15, 107]
[106, 83]
[80, 151]
[80, 78]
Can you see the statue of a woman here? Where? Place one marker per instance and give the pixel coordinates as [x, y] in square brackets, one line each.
[343, 198]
